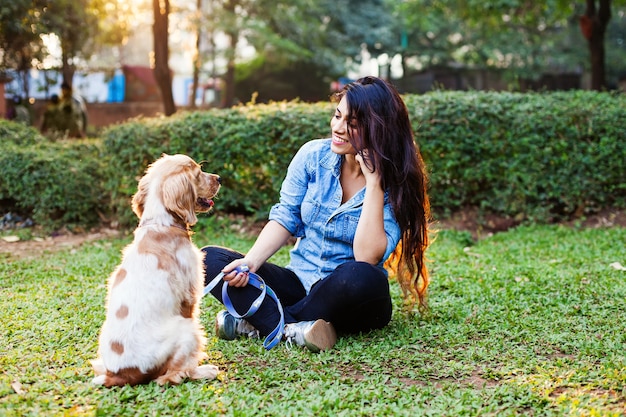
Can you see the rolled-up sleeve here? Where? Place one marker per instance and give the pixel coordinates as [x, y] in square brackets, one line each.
[287, 211]
[392, 230]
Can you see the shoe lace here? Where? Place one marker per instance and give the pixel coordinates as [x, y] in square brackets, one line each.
[294, 334]
[290, 336]
[254, 334]
[289, 343]
[245, 328]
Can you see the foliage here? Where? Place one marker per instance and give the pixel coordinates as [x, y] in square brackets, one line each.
[57, 183]
[248, 146]
[75, 24]
[528, 156]
[19, 35]
[82, 26]
[537, 157]
[527, 322]
[303, 45]
[19, 134]
[525, 38]
[325, 33]
[19, 30]
[264, 80]
[510, 154]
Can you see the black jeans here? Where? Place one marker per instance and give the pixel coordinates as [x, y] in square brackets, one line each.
[354, 298]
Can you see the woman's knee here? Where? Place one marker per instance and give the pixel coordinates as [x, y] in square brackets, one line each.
[216, 258]
[370, 306]
[362, 274]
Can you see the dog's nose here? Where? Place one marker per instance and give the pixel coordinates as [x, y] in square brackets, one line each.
[219, 180]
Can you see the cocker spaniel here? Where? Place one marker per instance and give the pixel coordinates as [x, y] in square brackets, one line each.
[151, 331]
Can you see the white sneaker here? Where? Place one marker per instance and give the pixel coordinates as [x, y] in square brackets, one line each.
[228, 327]
[317, 336]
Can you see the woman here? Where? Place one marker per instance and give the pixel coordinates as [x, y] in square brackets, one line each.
[351, 200]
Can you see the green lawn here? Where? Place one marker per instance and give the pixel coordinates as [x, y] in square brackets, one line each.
[527, 322]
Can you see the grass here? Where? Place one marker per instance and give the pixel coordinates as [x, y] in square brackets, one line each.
[527, 322]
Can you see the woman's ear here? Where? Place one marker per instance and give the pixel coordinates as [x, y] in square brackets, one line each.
[179, 196]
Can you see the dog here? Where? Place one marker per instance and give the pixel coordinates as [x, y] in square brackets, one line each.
[151, 331]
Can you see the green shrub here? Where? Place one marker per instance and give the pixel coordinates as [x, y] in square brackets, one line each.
[18, 134]
[248, 146]
[56, 183]
[537, 157]
[542, 156]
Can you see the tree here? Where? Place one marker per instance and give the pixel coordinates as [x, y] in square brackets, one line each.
[75, 23]
[302, 45]
[593, 24]
[161, 10]
[82, 26]
[521, 34]
[232, 32]
[20, 41]
[197, 60]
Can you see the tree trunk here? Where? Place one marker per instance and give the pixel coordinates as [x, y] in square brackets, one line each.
[67, 69]
[228, 91]
[24, 67]
[197, 60]
[161, 70]
[593, 25]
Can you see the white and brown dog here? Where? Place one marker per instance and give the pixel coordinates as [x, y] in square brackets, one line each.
[151, 331]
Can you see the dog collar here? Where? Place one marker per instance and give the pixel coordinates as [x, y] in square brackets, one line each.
[152, 222]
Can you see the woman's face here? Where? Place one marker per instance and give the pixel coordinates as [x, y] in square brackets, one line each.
[342, 129]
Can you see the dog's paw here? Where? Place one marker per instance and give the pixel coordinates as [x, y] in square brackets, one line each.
[99, 380]
[98, 367]
[205, 372]
[171, 378]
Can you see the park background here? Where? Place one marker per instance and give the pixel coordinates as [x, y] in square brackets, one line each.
[219, 53]
[528, 304]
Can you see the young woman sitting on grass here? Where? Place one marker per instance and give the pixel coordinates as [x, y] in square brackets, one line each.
[351, 200]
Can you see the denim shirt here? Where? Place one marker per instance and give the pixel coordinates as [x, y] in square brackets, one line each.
[310, 208]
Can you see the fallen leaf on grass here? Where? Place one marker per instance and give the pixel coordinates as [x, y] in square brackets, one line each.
[17, 387]
[618, 266]
[467, 251]
[11, 239]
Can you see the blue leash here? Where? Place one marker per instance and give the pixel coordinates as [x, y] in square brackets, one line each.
[256, 281]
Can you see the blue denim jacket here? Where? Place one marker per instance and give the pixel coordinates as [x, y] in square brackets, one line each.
[310, 208]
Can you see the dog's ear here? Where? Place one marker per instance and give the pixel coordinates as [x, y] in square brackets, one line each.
[179, 196]
[139, 199]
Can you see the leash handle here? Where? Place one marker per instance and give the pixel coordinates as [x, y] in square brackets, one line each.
[256, 281]
[209, 287]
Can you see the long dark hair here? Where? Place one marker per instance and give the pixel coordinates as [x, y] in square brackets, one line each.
[384, 130]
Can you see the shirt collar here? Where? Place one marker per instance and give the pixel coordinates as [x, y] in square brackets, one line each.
[332, 161]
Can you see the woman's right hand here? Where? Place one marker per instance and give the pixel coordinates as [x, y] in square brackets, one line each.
[236, 278]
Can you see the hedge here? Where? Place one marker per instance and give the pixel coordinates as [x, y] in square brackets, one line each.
[541, 156]
[537, 157]
[249, 147]
[56, 183]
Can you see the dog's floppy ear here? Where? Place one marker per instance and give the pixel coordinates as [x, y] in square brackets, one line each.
[179, 196]
[139, 199]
